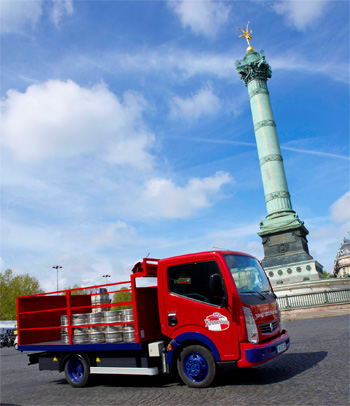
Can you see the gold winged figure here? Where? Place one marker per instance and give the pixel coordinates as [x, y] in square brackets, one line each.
[247, 35]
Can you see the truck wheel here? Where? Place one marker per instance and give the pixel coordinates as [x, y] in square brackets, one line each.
[196, 366]
[77, 371]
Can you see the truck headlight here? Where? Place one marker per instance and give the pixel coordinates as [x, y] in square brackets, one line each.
[252, 330]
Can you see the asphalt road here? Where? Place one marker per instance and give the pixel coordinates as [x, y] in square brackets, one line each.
[315, 371]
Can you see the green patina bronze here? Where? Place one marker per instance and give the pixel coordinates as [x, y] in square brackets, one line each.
[254, 71]
[286, 253]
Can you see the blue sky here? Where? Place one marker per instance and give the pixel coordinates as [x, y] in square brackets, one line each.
[126, 130]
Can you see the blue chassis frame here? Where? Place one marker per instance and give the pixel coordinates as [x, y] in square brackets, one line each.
[82, 347]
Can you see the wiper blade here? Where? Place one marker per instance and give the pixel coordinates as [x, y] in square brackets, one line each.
[254, 291]
[268, 292]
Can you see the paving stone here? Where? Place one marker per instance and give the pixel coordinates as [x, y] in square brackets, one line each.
[315, 371]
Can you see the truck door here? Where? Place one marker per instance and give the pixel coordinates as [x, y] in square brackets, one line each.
[190, 307]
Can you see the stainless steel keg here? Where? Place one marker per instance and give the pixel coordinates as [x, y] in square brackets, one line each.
[113, 334]
[64, 322]
[65, 338]
[114, 316]
[96, 337]
[80, 336]
[127, 315]
[95, 318]
[79, 319]
[129, 333]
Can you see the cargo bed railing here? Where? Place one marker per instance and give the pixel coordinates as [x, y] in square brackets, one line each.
[39, 316]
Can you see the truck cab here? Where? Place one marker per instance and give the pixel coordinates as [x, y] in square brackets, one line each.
[220, 303]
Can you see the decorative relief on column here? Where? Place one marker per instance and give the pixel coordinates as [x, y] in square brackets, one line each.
[254, 69]
[272, 157]
[259, 90]
[277, 195]
[283, 248]
[264, 123]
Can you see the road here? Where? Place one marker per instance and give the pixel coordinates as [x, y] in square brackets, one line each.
[315, 371]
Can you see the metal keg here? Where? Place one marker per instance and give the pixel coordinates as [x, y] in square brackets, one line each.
[65, 338]
[127, 315]
[129, 333]
[80, 336]
[114, 316]
[79, 319]
[64, 322]
[96, 337]
[113, 334]
[95, 318]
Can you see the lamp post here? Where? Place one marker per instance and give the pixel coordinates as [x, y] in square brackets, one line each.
[57, 267]
[106, 276]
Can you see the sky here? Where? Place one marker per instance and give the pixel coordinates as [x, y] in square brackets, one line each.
[126, 130]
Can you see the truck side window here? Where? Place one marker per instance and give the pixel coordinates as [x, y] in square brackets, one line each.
[193, 280]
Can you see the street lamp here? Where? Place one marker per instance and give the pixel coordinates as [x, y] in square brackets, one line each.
[106, 276]
[57, 267]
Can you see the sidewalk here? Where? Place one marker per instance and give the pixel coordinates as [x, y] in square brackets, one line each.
[316, 312]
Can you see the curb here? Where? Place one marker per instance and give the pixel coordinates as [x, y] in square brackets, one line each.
[316, 312]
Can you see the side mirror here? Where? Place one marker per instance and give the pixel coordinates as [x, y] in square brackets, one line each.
[216, 288]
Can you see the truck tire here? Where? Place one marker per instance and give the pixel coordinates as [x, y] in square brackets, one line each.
[196, 366]
[77, 371]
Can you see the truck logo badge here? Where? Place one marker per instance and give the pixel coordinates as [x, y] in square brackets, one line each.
[217, 322]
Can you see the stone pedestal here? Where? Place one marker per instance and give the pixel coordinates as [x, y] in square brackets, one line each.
[287, 258]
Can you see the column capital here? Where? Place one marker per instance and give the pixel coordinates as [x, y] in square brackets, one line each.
[253, 66]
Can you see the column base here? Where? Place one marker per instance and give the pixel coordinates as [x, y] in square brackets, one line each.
[281, 221]
[295, 272]
[286, 255]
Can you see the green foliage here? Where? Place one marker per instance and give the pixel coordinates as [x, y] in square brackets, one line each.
[12, 286]
[327, 275]
[75, 292]
[123, 295]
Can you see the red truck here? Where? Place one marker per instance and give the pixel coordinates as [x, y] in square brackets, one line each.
[201, 312]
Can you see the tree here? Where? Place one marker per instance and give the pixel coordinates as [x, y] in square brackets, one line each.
[123, 295]
[12, 286]
[327, 275]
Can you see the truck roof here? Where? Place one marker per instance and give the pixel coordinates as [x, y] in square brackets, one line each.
[206, 254]
[149, 266]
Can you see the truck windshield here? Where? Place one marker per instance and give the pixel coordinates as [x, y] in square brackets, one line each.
[248, 274]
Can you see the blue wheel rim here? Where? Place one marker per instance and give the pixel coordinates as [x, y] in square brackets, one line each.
[75, 370]
[195, 367]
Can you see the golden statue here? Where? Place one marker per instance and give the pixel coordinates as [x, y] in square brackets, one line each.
[247, 36]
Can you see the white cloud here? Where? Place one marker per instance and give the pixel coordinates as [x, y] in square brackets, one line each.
[17, 16]
[290, 61]
[326, 234]
[204, 102]
[59, 8]
[115, 235]
[62, 119]
[300, 13]
[340, 210]
[179, 64]
[204, 17]
[172, 201]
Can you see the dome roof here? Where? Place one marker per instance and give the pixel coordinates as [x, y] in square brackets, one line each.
[344, 250]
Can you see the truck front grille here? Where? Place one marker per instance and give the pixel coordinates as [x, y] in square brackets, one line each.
[268, 328]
